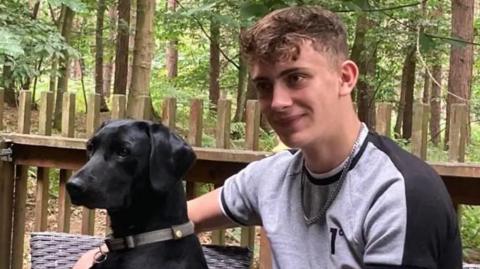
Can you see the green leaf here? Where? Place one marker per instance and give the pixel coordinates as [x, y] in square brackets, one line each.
[456, 42]
[75, 5]
[201, 9]
[357, 5]
[10, 44]
[426, 43]
[248, 10]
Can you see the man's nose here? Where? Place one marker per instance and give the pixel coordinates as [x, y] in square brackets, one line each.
[281, 98]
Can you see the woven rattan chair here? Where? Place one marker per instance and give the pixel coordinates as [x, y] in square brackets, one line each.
[61, 251]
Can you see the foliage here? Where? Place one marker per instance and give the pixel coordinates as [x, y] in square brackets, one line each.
[470, 227]
[27, 42]
[75, 5]
[473, 149]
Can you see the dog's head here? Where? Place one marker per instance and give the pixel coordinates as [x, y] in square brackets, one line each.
[128, 156]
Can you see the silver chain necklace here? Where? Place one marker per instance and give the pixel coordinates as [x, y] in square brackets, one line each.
[331, 195]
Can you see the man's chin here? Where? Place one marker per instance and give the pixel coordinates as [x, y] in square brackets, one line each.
[292, 141]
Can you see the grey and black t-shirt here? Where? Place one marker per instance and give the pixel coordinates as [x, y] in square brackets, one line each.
[392, 211]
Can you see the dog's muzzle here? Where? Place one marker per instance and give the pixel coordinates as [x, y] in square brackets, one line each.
[76, 189]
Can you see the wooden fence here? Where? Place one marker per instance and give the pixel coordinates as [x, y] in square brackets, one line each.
[66, 153]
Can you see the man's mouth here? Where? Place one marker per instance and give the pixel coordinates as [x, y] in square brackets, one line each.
[287, 120]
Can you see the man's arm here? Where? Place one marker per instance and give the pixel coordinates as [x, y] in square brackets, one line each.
[206, 213]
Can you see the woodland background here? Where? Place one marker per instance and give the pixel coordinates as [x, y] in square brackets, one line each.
[408, 51]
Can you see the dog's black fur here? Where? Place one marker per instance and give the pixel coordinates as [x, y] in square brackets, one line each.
[134, 171]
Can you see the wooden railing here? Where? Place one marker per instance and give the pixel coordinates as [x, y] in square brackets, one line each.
[214, 165]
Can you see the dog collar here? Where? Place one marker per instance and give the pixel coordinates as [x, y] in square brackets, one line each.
[128, 242]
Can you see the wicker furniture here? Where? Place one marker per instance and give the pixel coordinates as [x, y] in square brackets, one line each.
[61, 251]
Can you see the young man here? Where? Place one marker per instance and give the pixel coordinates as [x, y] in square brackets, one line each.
[347, 198]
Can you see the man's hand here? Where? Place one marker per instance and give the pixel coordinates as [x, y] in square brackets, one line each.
[88, 258]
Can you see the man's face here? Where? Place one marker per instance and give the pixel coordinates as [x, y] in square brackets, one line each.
[300, 98]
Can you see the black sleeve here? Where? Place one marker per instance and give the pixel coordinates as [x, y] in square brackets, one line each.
[385, 266]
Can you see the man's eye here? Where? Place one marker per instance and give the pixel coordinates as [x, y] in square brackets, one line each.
[263, 88]
[295, 80]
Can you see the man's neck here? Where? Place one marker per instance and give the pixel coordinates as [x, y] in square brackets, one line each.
[325, 155]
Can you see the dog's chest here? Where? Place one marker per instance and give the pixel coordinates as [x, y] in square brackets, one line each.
[179, 255]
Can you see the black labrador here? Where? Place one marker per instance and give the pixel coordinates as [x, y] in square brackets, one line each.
[134, 171]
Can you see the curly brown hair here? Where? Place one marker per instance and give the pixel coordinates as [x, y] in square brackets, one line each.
[279, 35]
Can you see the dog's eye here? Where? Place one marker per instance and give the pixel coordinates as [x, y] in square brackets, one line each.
[123, 152]
[89, 147]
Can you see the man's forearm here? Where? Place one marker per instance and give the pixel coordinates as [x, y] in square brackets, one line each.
[206, 214]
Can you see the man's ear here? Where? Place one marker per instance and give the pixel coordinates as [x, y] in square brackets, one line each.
[349, 77]
[170, 157]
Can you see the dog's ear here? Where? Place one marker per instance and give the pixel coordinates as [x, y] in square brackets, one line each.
[170, 157]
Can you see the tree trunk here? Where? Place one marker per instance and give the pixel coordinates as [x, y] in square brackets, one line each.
[436, 104]
[172, 53]
[426, 88]
[131, 41]
[52, 86]
[121, 55]
[214, 85]
[241, 88]
[109, 67]
[64, 64]
[461, 59]
[366, 60]
[397, 129]
[241, 91]
[142, 55]
[408, 86]
[9, 85]
[36, 7]
[28, 80]
[99, 54]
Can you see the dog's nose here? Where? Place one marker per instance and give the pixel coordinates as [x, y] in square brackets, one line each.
[76, 187]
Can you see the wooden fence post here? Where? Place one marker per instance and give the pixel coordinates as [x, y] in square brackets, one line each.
[143, 108]
[222, 135]
[222, 140]
[24, 110]
[169, 110]
[384, 119]
[457, 133]
[252, 128]
[43, 181]
[25, 104]
[119, 102]
[68, 130]
[6, 209]
[2, 105]
[252, 131]
[93, 121]
[421, 114]
[265, 252]
[194, 138]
